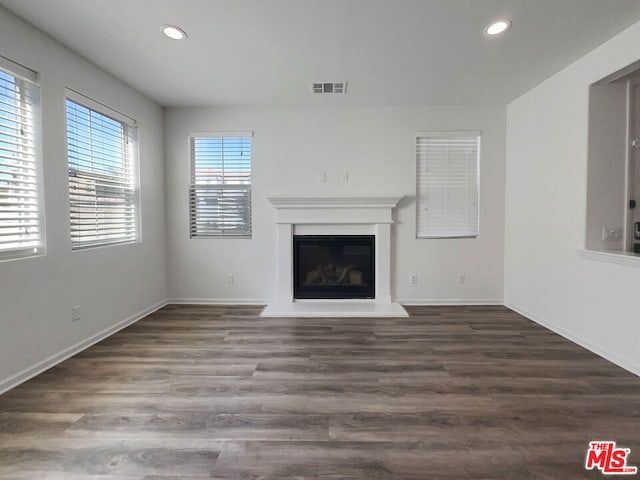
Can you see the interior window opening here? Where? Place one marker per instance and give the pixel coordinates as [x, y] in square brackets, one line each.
[613, 189]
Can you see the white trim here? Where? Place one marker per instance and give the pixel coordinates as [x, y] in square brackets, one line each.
[448, 133]
[218, 134]
[346, 308]
[201, 232]
[619, 74]
[433, 169]
[29, 100]
[99, 107]
[408, 301]
[30, 372]
[218, 301]
[620, 258]
[629, 154]
[334, 209]
[577, 339]
[322, 213]
[131, 173]
[334, 201]
[20, 70]
[23, 254]
[417, 302]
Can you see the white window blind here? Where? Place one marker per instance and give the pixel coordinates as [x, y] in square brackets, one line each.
[220, 190]
[21, 207]
[103, 180]
[447, 184]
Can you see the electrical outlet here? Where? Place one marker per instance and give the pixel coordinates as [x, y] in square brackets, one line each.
[414, 278]
[322, 177]
[345, 177]
[611, 234]
[75, 313]
[229, 278]
[462, 278]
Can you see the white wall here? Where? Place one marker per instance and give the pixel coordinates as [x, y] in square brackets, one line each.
[111, 284]
[546, 278]
[376, 146]
[607, 175]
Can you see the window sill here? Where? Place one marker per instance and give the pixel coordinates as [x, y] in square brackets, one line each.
[98, 246]
[620, 258]
[29, 253]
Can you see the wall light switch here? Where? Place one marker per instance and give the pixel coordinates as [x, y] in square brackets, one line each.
[75, 313]
[322, 177]
[345, 177]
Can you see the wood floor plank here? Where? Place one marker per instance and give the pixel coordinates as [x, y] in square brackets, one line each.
[194, 391]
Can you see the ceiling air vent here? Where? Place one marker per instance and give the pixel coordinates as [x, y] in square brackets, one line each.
[329, 87]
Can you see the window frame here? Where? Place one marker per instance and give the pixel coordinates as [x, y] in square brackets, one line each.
[130, 137]
[613, 178]
[248, 134]
[441, 135]
[28, 82]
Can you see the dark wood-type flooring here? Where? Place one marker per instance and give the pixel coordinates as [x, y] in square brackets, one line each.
[194, 392]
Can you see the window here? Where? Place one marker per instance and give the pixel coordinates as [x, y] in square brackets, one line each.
[613, 173]
[103, 184]
[21, 207]
[220, 191]
[447, 184]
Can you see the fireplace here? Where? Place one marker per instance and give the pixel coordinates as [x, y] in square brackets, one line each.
[333, 266]
[351, 280]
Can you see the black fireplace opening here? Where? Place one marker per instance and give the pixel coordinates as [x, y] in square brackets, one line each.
[333, 266]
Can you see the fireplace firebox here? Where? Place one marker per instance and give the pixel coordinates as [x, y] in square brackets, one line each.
[333, 266]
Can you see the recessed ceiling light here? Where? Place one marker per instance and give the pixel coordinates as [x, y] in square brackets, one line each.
[174, 32]
[497, 27]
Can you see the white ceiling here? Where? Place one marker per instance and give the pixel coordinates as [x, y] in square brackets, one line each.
[392, 52]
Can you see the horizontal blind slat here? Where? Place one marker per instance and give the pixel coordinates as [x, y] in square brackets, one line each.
[20, 206]
[220, 193]
[103, 192]
[447, 185]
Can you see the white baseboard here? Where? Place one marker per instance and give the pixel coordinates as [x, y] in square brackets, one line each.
[607, 355]
[264, 301]
[449, 301]
[30, 372]
[218, 301]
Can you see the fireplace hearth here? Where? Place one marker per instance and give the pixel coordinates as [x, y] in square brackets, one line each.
[352, 280]
[334, 266]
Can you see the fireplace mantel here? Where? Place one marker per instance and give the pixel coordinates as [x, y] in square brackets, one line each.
[334, 201]
[322, 215]
[334, 209]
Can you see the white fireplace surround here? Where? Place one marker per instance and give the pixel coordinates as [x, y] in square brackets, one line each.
[334, 215]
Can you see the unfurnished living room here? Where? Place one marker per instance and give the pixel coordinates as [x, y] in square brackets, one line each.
[319, 239]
